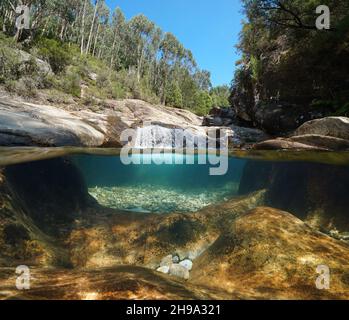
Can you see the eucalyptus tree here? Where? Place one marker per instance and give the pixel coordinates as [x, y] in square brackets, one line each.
[87, 50]
[142, 30]
[102, 25]
[172, 51]
[118, 27]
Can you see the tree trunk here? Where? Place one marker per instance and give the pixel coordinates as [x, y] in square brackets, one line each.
[100, 51]
[96, 39]
[92, 27]
[4, 29]
[61, 35]
[112, 49]
[83, 28]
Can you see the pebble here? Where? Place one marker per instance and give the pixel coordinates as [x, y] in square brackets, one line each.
[175, 258]
[148, 198]
[188, 264]
[179, 271]
[163, 269]
[167, 261]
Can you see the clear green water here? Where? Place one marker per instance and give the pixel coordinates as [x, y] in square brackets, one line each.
[158, 188]
[164, 188]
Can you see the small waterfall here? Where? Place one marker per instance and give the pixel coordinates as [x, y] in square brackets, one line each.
[155, 136]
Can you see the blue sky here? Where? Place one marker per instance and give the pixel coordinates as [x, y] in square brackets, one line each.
[209, 28]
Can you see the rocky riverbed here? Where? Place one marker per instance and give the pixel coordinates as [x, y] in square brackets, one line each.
[150, 198]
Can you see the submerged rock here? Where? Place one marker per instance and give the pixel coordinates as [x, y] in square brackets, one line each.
[117, 283]
[188, 264]
[179, 271]
[316, 193]
[271, 254]
[167, 261]
[176, 258]
[161, 199]
[164, 269]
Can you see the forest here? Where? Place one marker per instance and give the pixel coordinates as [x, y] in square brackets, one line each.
[287, 61]
[117, 58]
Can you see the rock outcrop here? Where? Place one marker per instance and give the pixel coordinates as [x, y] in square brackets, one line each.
[245, 136]
[315, 193]
[327, 134]
[28, 124]
[286, 144]
[281, 118]
[42, 66]
[270, 254]
[337, 127]
[25, 124]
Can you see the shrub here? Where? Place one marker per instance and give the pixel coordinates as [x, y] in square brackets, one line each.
[117, 91]
[102, 80]
[203, 103]
[9, 65]
[55, 53]
[71, 83]
[343, 110]
[23, 87]
[174, 96]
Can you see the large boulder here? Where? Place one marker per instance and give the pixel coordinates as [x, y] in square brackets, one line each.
[286, 144]
[29, 124]
[331, 134]
[270, 254]
[43, 67]
[337, 127]
[320, 141]
[26, 124]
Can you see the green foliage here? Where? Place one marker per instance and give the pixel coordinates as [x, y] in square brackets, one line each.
[203, 102]
[343, 110]
[285, 58]
[220, 96]
[103, 80]
[113, 57]
[71, 83]
[256, 68]
[174, 96]
[55, 53]
[118, 91]
[9, 64]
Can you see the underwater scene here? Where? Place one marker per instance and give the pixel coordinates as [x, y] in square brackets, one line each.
[85, 226]
[186, 151]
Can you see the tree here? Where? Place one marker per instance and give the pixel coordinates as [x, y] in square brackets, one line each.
[92, 26]
[143, 59]
[119, 29]
[142, 30]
